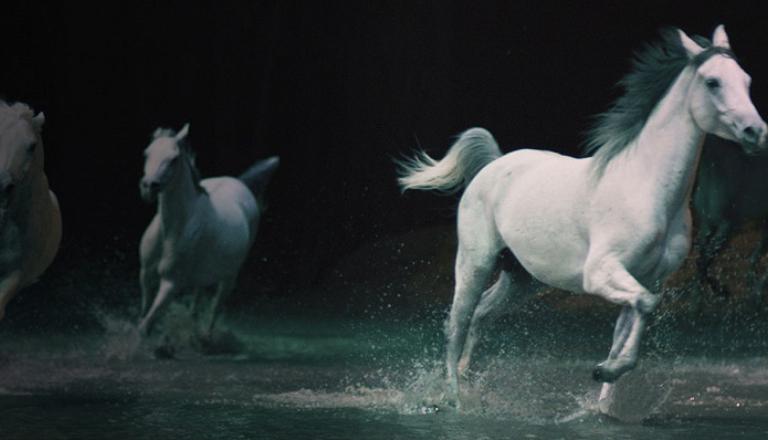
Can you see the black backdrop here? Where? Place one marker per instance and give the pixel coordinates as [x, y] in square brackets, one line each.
[335, 88]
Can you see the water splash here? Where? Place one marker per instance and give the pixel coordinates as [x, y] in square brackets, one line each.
[122, 340]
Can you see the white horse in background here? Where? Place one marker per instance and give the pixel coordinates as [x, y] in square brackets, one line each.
[203, 229]
[615, 224]
[30, 220]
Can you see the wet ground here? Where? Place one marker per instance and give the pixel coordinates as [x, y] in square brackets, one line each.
[296, 376]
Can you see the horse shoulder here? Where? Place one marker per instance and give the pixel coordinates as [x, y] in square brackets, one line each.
[41, 231]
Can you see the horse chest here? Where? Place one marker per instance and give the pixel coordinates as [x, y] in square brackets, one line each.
[197, 257]
[666, 252]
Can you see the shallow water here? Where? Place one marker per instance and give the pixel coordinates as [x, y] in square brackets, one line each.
[320, 378]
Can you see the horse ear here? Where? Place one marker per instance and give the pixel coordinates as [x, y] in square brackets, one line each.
[720, 38]
[690, 46]
[157, 133]
[183, 132]
[38, 121]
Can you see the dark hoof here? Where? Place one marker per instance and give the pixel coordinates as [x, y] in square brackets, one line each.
[600, 374]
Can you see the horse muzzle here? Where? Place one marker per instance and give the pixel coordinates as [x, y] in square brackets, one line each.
[7, 184]
[753, 139]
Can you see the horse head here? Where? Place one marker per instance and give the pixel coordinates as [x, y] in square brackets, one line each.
[719, 93]
[161, 159]
[20, 148]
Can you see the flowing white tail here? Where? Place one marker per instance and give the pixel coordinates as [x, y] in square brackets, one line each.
[474, 149]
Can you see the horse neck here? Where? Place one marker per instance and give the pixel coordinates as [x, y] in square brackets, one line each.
[177, 201]
[666, 153]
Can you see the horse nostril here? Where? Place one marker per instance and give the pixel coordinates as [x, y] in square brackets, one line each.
[752, 134]
[8, 188]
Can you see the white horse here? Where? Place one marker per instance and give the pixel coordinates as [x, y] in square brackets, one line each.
[615, 224]
[30, 220]
[203, 229]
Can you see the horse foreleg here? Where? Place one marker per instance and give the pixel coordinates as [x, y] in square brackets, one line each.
[148, 280]
[8, 288]
[609, 279]
[472, 272]
[620, 335]
[166, 290]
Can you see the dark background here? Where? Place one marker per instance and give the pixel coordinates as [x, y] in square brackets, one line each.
[336, 89]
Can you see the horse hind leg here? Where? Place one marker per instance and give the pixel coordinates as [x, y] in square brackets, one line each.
[473, 269]
[222, 290]
[513, 279]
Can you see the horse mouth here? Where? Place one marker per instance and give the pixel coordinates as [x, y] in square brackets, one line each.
[148, 194]
[755, 148]
[149, 189]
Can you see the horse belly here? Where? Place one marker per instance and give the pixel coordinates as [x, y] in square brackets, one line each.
[538, 222]
[551, 262]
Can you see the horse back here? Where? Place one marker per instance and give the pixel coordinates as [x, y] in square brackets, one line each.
[231, 199]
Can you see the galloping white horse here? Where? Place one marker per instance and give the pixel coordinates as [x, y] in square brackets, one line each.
[203, 229]
[30, 220]
[615, 224]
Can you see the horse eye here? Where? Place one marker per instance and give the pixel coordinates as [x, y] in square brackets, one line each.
[31, 147]
[712, 83]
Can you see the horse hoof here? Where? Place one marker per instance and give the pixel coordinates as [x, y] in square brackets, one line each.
[450, 401]
[601, 374]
